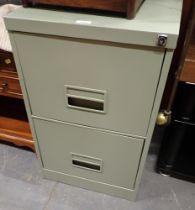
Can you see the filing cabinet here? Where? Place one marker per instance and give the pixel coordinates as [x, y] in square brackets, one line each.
[92, 88]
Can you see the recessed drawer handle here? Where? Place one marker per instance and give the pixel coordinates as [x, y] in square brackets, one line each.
[86, 162]
[85, 103]
[86, 99]
[86, 165]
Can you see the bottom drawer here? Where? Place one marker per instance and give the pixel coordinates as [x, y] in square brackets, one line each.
[88, 153]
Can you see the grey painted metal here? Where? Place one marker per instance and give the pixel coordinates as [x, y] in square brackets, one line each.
[153, 17]
[25, 96]
[114, 69]
[159, 93]
[123, 68]
[120, 155]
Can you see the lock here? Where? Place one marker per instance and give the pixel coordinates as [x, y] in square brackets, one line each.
[162, 40]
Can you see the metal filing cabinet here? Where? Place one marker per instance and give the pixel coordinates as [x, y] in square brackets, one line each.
[92, 88]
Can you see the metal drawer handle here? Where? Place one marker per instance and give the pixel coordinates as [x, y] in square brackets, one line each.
[86, 99]
[3, 86]
[87, 165]
[85, 103]
[86, 162]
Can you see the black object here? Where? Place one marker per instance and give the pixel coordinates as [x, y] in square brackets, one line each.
[177, 155]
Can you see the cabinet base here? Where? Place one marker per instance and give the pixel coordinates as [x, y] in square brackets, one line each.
[90, 184]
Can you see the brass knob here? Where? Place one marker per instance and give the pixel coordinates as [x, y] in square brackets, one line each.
[162, 119]
[7, 61]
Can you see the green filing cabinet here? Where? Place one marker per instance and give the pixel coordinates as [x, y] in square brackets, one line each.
[92, 86]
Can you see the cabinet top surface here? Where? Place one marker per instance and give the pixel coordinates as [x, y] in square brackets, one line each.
[153, 18]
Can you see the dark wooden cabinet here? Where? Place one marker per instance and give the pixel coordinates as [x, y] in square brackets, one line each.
[9, 84]
[7, 61]
[128, 7]
[188, 71]
[177, 61]
[14, 126]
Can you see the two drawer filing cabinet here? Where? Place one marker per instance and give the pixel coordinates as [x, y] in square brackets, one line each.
[92, 87]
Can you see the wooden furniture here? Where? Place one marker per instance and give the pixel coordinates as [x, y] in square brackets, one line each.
[128, 7]
[93, 89]
[188, 71]
[14, 126]
[177, 61]
[10, 85]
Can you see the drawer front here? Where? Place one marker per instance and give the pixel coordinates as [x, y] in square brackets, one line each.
[89, 153]
[10, 86]
[7, 61]
[104, 85]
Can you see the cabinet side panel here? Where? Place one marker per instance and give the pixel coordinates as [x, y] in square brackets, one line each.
[159, 93]
[24, 92]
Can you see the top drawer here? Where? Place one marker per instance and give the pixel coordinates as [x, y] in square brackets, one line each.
[100, 84]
